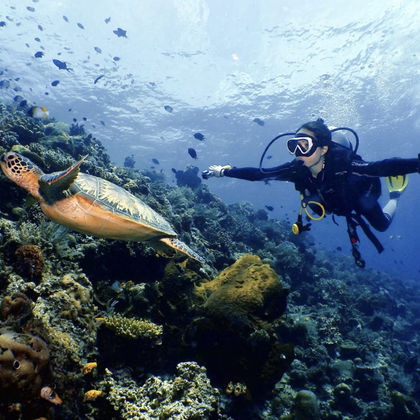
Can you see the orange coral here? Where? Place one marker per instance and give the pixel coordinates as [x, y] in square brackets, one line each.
[88, 367]
[29, 261]
[92, 394]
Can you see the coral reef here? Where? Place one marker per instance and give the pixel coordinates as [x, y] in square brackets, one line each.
[133, 328]
[347, 343]
[238, 307]
[16, 306]
[189, 395]
[29, 262]
[306, 406]
[23, 360]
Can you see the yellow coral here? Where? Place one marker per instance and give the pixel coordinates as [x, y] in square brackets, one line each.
[132, 327]
[246, 287]
[88, 367]
[92, 395]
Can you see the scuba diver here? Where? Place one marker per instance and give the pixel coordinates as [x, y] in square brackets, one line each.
[332, 178]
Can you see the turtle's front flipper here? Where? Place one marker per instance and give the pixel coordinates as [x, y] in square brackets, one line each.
[169, 246]
[52, 185]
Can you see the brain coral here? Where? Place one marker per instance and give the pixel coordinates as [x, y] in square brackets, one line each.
[234, 334]
[23, 357]
[246, 289]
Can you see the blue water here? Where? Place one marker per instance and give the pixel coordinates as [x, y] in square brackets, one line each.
[219, 65]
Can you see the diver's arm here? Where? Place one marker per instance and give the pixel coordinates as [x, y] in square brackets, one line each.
[285, 172]
[386, 167]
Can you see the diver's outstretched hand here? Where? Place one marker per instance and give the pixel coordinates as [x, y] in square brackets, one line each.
[215, 170]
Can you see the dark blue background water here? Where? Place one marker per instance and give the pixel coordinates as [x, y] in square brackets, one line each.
[219, 65]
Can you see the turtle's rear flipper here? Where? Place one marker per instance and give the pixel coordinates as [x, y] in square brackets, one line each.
[170, 246]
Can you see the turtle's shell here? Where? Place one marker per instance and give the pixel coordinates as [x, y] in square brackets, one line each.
[120, 203]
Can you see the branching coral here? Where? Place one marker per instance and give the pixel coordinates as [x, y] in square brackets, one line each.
[188, 396]
[133, 328]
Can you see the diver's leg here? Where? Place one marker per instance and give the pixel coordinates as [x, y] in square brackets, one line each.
[371, 210]
[390, 208]
[396, 186]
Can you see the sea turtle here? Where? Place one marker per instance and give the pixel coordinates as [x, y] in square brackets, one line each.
[92, 205]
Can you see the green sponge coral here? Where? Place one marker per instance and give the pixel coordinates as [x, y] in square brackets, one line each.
[133, 328]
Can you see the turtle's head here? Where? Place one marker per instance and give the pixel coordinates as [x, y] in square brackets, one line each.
[22, 171]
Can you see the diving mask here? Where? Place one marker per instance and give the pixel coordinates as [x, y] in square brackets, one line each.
[302, 145]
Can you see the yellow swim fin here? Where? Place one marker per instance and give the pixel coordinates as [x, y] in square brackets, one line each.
[396, 184]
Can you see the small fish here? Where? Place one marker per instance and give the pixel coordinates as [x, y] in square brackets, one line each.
[168, 108]
[38, 112]
[107, 20]
[258, 121]
[192, 153]
[116, 286]
[98, 78]
[98, 50]
[120, 33]
[80, 25]
[48, 394]
[102, 122]
[339, 248]
[40, 28]
[174, 170]
[4, 84]
[269, 157]
[66, 18]
[269, 208]
[2, 23]
[116, 58]
[62, 65]
[84, 119]
[199, 136]
[129, 162]
[37, 39]
[155, 161]
[31, 9]
[38, 54]
[55, 82]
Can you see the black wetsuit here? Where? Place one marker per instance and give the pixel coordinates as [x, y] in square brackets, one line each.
[346, 184]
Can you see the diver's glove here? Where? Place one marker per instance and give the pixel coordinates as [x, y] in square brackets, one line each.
[215, 170]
